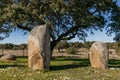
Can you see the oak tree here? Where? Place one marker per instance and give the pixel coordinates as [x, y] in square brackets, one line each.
[66, 18]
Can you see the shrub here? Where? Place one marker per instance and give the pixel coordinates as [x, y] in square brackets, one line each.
[72, 50]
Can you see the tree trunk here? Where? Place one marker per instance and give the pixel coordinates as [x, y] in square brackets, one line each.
[2, 51]
[23, 52]
[52, 46]
[118, 44]
[59, 50]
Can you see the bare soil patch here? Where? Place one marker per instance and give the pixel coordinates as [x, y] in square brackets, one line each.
[82, 53]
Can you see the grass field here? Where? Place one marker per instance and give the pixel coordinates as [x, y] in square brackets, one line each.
[61, 69]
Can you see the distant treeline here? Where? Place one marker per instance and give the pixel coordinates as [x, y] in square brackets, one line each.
[87, 44]
[13, 46]
[60, 45]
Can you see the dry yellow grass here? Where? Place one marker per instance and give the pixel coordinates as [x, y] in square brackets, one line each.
[82, 53]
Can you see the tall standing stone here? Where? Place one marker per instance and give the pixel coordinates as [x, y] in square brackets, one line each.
[99, 55]
[39, 48]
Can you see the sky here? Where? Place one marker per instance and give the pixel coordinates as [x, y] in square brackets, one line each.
[19, 37]
[98, 36]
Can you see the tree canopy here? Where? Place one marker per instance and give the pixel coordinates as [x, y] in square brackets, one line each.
[66, 18]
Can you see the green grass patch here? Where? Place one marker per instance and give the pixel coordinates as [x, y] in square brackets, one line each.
[61, 69]
[68, 63]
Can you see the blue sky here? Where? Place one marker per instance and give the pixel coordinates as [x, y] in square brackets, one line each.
[18, 37]
[98, 36]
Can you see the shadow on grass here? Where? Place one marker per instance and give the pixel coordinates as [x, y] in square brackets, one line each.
[68, 66]
[76, 63]
[114, 63]
[22, 56]
[67, 63]
[7, 65]
[19, 62]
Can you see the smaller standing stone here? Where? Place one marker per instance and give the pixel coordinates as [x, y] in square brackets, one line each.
[8, 57]
[99, 55]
